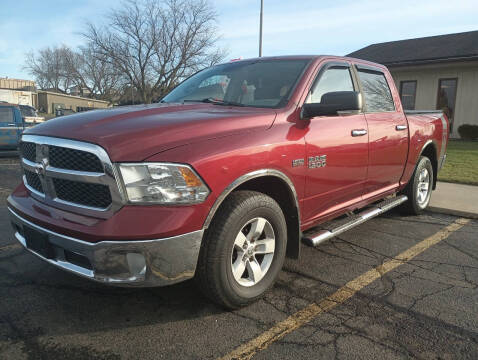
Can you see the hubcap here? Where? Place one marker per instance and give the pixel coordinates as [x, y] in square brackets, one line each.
[253, 252]
[423, 187]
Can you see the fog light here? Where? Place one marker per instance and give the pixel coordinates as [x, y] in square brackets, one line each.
[136, 263]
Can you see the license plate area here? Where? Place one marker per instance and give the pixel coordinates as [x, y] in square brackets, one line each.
[38, 242]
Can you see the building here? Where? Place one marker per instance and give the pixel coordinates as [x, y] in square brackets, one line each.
[17, 91]
[437, 72]
[49, 101]
[78, 91]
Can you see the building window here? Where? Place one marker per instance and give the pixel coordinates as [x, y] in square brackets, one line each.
[408, 93]
[446, 98]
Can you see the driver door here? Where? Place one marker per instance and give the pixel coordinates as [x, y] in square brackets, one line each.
[336, 147]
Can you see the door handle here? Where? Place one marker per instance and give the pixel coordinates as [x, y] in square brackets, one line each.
[359, 132]
[401, 127]
[10, 124]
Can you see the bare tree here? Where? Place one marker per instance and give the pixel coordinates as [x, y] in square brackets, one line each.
[91, 71]
[155, 44]
[59, 68]
[47, 67]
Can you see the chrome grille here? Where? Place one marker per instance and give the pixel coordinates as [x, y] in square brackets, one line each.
[70, 175]
[33, 180]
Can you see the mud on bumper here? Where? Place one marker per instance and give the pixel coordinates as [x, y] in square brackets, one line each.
[143, 263]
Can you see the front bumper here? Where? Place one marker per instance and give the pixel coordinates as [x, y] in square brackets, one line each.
[143, 263]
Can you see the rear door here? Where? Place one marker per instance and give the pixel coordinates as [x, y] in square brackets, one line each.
[9, 127]
[337, 148]
[388, 131]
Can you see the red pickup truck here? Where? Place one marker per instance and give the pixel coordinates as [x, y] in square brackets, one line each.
[226, 175]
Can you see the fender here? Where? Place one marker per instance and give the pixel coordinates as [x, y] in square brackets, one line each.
[428, 142]
[246, 177]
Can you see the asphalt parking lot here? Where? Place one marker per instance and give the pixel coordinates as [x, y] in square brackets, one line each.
[425, 307]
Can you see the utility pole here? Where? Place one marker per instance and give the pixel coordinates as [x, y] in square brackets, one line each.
[260, 29]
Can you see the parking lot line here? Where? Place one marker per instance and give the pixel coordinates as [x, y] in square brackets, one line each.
[302, 317]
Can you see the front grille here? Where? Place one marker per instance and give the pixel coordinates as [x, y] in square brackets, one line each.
[33, 181]
[52, 169]
[28, 150]
[93, 195]
[72, 159]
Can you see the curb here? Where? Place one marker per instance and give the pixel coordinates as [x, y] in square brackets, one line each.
[452, 212]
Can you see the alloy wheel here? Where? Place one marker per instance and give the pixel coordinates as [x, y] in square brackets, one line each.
[253, 252]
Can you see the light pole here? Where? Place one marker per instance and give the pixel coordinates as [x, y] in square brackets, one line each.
[260, 29]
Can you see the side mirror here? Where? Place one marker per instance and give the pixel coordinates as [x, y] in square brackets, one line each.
[333, 102]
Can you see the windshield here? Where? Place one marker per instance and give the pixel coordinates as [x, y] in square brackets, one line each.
[263, 83]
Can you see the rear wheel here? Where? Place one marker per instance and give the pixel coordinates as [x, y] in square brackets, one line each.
[419, 188]
[243, 250]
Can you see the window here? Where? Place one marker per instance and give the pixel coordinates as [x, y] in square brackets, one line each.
[446, 98]
[333, 79]
[378, 97]
[408, 92]
[257, 83]
[6, 115]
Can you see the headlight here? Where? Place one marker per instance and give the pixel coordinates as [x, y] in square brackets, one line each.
[162, 183]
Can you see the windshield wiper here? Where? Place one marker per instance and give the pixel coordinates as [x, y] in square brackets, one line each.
[215, 102]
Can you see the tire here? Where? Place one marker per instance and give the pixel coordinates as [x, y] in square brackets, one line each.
[422, 177]
[221, 250]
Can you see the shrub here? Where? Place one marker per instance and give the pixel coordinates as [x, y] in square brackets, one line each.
[468, 132]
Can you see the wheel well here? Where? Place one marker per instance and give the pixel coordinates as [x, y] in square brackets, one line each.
[431, 153]
[280, 191]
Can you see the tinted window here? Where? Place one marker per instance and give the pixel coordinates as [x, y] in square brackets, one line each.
[408, 91]
[263, 83]
[446, 98]
[377, 94]
[333, 79]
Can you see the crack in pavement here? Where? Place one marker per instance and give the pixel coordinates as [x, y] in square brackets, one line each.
[305, 315]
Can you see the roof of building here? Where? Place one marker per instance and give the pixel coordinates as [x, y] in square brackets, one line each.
[17, 84]
[69, 96]
[432, 49]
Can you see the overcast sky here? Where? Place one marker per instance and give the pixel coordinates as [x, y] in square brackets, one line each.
[290, 27]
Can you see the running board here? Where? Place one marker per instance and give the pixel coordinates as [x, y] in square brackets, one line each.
[334, 228]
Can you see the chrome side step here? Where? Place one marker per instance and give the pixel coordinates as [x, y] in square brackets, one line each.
[334, 228]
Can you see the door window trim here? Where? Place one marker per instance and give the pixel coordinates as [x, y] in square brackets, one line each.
[356, 68]
[330, 64]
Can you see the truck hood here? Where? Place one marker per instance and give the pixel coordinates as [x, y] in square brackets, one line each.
[134, 133]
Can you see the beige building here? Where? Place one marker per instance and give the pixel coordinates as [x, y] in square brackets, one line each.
[49, 101]
[438, 72]
[17, 91]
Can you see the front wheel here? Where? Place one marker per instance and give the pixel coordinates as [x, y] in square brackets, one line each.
[419, 188]
[243, 250]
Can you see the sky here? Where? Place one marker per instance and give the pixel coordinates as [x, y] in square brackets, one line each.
[290, 27]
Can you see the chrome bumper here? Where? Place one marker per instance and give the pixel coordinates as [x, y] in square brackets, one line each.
[143, 263]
